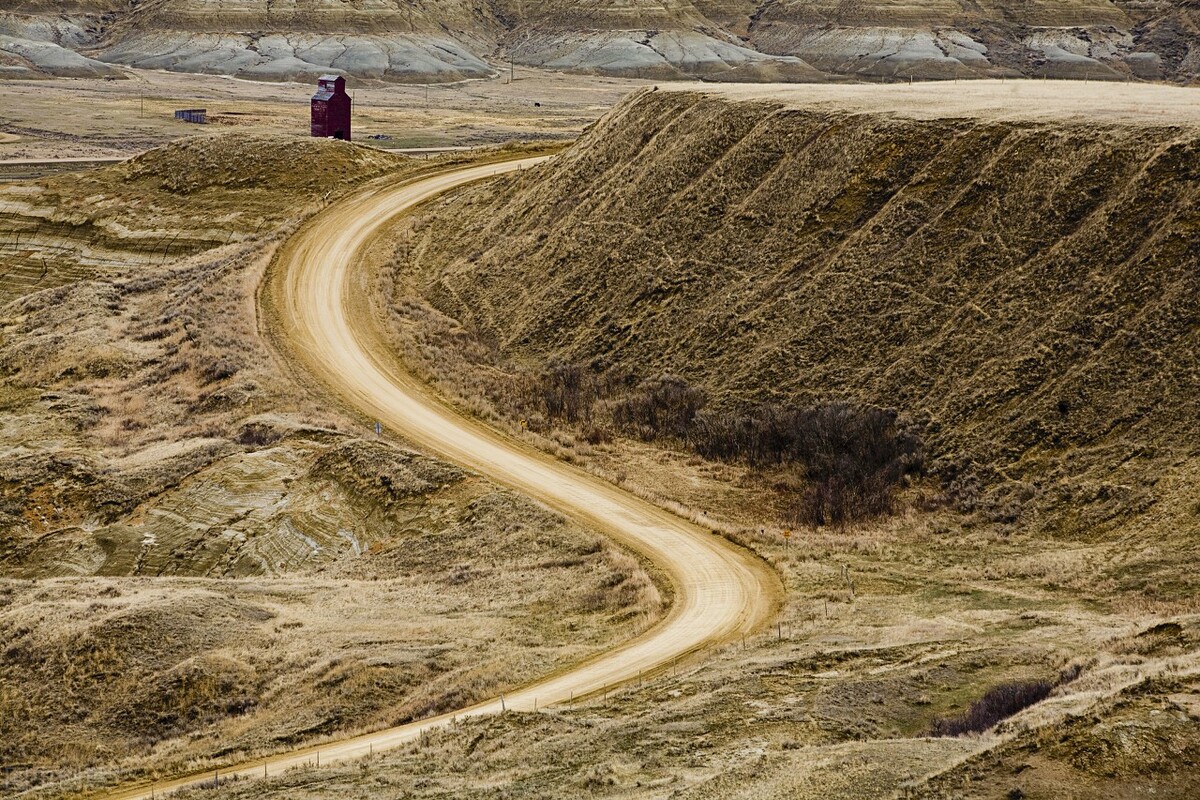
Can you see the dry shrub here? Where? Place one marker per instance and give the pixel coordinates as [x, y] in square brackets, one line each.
[851, 458]
[998, 704]
[564, 391]
[258, 434]
[662, 408]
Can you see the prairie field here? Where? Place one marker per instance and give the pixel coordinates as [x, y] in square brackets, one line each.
[927, 350]
[201, 559]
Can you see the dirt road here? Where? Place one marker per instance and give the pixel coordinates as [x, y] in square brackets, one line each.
[720, 591]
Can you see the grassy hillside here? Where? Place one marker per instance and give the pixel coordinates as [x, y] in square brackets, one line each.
[1021, 294]
[722, 300]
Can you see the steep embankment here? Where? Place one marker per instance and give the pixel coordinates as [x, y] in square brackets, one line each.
[728, 40]
[1025, 290]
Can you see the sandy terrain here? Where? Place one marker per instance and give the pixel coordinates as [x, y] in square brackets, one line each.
[946, 603]
[139, 498]
[766, 253]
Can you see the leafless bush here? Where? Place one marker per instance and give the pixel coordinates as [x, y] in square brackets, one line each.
[998, 704]
[562, 392]
[852, 458]
[662, 408]
[257, 434]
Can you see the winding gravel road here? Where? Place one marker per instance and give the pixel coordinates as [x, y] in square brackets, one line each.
[720, 591]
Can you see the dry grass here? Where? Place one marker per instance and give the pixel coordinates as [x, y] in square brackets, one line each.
[1006, 565]
[1017, 365]
[87, 118]
[203, 561]
[888, 626]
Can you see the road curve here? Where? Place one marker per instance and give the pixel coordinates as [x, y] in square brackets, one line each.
[720, 591]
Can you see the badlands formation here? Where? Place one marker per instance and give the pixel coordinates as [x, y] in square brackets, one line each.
[727, 40]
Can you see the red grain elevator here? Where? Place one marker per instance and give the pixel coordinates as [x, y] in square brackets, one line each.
[331, 108]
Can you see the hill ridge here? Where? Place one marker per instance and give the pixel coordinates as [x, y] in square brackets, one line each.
[733, 40]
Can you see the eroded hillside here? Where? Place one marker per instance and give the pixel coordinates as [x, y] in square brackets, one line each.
[733, 40]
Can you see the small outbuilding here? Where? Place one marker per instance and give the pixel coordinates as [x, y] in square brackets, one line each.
[331, 108]
[198, 116]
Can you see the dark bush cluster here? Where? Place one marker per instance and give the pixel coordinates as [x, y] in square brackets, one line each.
[562, 392]
[851, 458]
[257, 434]
[1000, 703]
[663, 408]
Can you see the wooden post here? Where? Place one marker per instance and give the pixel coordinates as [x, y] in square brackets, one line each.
[849, 582]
